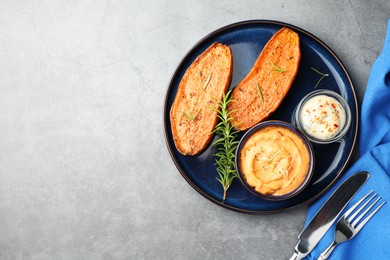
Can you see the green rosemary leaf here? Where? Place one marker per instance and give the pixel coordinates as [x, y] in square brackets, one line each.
[323, 75]
[279, 70]
[190, 116]
[260, 93]
[319, 72]
[213, 108]
[219, 141]
[208, 80]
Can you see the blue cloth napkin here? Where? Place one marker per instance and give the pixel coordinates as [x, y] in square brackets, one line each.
[373, 241]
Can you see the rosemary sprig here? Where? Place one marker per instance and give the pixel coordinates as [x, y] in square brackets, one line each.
[260, 93]
[190, 116]
[323, 75]
[208, 80]
[279, 70]
[226, 144]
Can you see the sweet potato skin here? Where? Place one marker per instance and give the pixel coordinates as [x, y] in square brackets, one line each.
[273, 73]
[205, 81]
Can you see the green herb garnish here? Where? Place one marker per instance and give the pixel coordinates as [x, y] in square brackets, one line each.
[323, 75]
[208, 80]
[260, 93]
[190, 116]
[279, 70]
[226, 144]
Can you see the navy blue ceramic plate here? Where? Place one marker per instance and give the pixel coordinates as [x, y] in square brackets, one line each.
[246, 40]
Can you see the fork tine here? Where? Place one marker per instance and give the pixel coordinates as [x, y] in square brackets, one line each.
[346, 214]
[369, 217]
[365, 212]
[360, 208]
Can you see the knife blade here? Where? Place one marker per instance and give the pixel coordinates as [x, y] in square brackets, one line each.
[327, 215]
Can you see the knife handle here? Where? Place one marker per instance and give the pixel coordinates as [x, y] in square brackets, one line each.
[297, 256]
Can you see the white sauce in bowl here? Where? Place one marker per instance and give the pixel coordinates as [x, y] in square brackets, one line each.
[322, 117]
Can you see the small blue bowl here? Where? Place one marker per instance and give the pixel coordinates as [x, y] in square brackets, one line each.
[292, 129]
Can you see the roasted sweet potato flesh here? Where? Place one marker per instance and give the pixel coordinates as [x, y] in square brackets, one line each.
[262, 90]
[204, 82]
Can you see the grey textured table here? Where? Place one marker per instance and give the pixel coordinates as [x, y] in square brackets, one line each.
[84, 170]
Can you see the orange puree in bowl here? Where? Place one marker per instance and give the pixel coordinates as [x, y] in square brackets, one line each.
[274, 160]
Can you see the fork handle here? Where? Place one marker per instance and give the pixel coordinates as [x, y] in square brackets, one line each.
[324, 255]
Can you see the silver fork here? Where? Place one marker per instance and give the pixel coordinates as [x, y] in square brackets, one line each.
[347, 226]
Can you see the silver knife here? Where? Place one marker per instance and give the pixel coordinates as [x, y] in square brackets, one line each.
[328, 214]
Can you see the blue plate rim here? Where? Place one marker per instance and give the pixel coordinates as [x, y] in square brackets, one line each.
[170, 86]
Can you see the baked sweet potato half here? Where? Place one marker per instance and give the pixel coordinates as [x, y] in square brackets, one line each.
[262, 90]
[206, 79]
